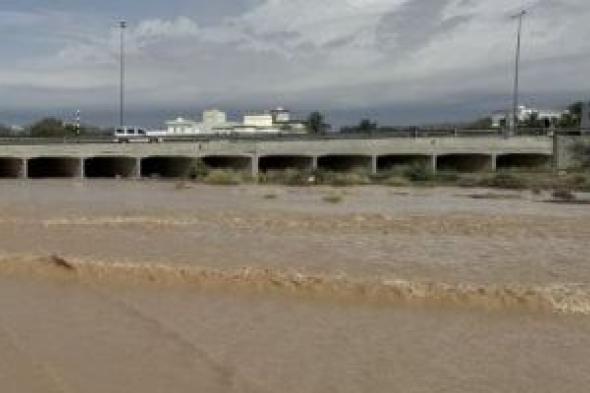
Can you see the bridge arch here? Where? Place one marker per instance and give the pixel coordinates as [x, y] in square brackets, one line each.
[283, 162]
[12, 168]
[228, 162]
[55, 167]
[524, 161]
[392, 161]
[111, 167]
[465, 162]
[345, 162]
[168, 167]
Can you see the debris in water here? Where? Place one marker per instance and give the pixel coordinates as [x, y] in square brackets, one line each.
[61, 263]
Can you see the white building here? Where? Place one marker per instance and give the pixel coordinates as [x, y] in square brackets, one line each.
[550, 116]
[280, 115]
[259, 120]
[213, 118]
[182, 126]
[215, 122]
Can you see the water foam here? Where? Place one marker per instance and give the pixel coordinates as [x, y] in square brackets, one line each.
[561, 298]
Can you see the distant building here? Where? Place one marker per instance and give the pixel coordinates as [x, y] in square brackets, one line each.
[501, 119]
[16, 129]
[259, 120]
[213, 118]
[215, 122]
[182, 126]
[280, 115]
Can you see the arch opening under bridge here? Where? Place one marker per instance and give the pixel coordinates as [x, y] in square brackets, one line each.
[345, 162]
[285, 162]
[228, 162]
[110, 167]
[169, 167]
[521, 161]
[11, 168]
[465, 163]
[54, 167]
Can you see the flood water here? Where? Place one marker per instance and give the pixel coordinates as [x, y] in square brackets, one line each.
[115, 286]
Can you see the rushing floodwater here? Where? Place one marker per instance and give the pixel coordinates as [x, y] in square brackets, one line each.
[151, 287]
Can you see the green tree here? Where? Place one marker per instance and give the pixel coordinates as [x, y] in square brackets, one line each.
[484, 123]
[5, 130]
[573, 117]
[50, 127]
[367, 126]
[316, 124]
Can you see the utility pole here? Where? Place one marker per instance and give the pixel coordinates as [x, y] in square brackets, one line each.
[123, 26]
[78, 122]
[514, 117]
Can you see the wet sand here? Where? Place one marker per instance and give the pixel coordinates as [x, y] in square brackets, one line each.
[166, 288]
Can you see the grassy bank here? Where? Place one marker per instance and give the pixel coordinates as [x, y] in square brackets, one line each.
[404, 176]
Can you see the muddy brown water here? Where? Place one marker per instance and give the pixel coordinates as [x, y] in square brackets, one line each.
[165, 288]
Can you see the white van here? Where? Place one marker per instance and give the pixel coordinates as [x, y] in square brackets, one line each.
[135, 134]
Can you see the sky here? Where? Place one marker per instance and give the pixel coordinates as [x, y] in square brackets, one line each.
[395, 61]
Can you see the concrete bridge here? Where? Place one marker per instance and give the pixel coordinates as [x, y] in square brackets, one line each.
[173, 160]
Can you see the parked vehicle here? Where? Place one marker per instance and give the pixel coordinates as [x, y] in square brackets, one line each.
[137, 135]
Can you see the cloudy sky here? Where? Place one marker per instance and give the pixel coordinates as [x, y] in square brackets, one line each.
[398, 61]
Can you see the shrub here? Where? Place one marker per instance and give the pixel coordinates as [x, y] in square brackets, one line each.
[223, 177]
[198, 170]
[396, 181]
[419, 173]
[582, 154]
[506, 180]
[448, 177]
[288, 177]
[337, 179]
[564, 195]
[471, 181]
[333, 198]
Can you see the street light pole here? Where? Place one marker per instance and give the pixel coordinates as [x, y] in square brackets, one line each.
[122, 25]
[514, 120]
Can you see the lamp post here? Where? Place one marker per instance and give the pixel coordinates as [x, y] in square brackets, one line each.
[123, 26]
[514, 117]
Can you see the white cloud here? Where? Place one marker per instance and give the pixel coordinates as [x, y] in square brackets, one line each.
[335, 53]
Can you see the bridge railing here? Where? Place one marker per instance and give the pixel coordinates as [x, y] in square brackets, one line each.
[406, 133]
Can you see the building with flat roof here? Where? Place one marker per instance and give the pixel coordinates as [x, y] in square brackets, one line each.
[214, 117]
[215, 121]
[182, 126]
[500, 119]
[280, 115]
[263, 120]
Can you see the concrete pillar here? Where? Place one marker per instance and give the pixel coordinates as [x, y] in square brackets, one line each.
[314, 163]
[494, 163]
[24, 172]
[81, 173]
[374, 163]
[137, 174]
[434, 163]
[255, 166]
